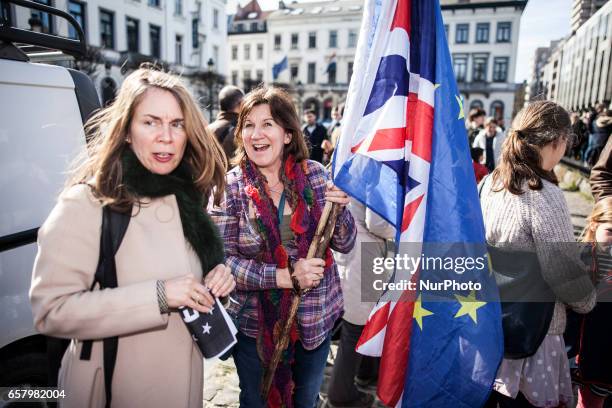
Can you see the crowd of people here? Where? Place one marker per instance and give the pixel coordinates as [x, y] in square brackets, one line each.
[198, 232]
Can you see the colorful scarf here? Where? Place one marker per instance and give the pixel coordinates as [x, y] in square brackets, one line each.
[274, 304]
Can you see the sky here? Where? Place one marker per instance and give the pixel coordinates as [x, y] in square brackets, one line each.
[542, 22]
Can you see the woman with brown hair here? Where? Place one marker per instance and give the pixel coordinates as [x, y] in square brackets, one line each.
[150, 157]
[524, 209]
[274, 199]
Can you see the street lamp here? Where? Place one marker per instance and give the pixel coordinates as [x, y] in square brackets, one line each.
[210, 65]
[300, 92]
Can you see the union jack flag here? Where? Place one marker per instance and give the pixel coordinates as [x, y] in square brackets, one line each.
[404, 153]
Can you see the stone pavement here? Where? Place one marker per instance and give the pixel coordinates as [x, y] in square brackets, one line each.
[220, 378]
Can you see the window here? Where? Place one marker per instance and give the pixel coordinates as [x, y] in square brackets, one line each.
[331, 74]
[215, 18]
[312, 66]
[333, 39]
[504, 32]
[254, 27]
[294, 41]
[246, 75]
[46, 21]
[234, 52]
[76, 10]
[155, 3]
[178, 7]
[460, 67]
[107, 29]
[195, 37]
[247, 51]
[497, 110]
[312, 39]
[259, 51]
[446, 30]
[259, 75]
[500, 69]
[350, 72]
[178, 49]
[235, 78]
[132, 34]
[479, 72]
[155, 40]
[277, 42]
[462, 33]
[482, 33]
[352, 39]
[294, 72]
[476, 103]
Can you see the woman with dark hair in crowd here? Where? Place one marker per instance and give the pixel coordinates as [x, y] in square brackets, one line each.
[523, 208]
[274, 199]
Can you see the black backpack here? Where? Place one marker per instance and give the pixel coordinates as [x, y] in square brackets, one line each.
[114, 225]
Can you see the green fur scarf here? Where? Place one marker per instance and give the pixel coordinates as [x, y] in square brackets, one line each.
[198, 228]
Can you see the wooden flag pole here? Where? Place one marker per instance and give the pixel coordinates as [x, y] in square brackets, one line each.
[318, 246]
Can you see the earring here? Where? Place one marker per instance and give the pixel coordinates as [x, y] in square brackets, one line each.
[127, 140]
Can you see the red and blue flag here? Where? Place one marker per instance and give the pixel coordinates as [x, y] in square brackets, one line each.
[404, 153]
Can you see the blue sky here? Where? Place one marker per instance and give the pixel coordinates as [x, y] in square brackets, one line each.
[542, 22]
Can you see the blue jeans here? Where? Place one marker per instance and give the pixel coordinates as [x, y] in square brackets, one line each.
[307, 372]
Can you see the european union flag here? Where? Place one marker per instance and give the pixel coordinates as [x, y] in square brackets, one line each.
[278, 68]
[404, 153]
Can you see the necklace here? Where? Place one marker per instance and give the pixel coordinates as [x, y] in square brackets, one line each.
[271, 187]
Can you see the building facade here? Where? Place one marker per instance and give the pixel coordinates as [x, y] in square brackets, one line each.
[582, 10]
[185, 36]
[319, 41]
[578, 74]
[248, 46]
[483, 41]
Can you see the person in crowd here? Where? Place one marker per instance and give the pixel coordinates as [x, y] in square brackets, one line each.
[230, 99]
[594, 354]
[479, 170]
[490, 140]
[580, 136]
[373, 232]
[336, 114]
[333, 132]
[523, 206]
[150, 156]
[315, 134]
[274, 199]
[601, 173]
[476, 119]
[600, 129]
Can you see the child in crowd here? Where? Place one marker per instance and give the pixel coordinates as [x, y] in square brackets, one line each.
[479, 169]
[594, 354]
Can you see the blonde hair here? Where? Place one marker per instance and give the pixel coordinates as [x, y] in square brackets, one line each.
[602, 213]
[107, 130]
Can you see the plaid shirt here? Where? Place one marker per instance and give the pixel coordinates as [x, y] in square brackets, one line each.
[321, 306]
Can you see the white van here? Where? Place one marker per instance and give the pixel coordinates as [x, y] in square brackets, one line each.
[42, 111]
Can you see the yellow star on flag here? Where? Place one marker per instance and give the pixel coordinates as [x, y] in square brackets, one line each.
[469, 305]
[436, 86]
[419, 312]
[461, 113]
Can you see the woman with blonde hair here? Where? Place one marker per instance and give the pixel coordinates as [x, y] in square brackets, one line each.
[274, 200]
[524, 209]
[594, 353]
[151, 157]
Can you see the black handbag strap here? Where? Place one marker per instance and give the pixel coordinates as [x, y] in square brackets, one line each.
[114, 226]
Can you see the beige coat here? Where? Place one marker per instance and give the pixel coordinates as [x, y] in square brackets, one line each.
[158, 364]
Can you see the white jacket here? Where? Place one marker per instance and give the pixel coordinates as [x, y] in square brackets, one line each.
[498, 140]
